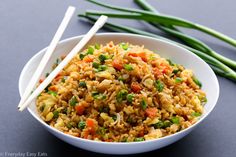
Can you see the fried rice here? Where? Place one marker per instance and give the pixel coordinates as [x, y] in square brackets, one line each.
[121, 93]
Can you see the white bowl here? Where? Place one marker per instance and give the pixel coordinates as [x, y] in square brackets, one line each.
[165, 49]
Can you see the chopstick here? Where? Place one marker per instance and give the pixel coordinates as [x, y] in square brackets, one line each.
[99, 23]
[36, 76]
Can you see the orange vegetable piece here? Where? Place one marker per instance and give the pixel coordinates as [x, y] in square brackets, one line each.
[88, 58]
[117, 64]
[151, 112]
[135, 87]
[79, 109]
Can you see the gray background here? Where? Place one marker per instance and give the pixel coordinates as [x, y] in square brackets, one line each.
[26, 26]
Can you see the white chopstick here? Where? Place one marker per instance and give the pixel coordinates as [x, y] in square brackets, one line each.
[36, 76]
[99, 23]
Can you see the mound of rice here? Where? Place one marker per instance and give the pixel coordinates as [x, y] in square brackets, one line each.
[121, 93]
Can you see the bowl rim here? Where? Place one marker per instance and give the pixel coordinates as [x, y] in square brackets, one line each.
[121, 143]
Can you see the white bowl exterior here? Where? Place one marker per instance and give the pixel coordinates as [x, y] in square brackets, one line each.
[166, 50]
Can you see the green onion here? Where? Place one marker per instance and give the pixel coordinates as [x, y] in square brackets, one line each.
[81, 125]
[162, 124]
[81, 56]
[175, 120]
[114, 117]
[53, 93]
[139, 139]
[196, 114]
[218, 67]
[82, 84]
[102, 58]
[190, 41]
[47, 74]
[178, 79]
[161, 19]
[170, 62]
[90, 50]
[121, 95]
[97, 46]
[204, 100]
[175, 71]
[124, 139]
[98, 96]
[125, 46]
[95, 65]
[69, 125]
[101, 68]
[73, 101]
[130, 97]
[195, 80]
[143, 104]
[159, 86]
[102, 131]
[121, 79]
[128, 67]
[55, 114]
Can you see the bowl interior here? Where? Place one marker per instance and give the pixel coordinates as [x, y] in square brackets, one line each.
[177, 54]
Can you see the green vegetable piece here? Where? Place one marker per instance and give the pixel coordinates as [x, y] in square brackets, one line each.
[143, 104]
[97, 46]
[130, 97]
[81, 125]
[73, 101]
[81, 56]
[69, 125]
[204, 100]
[102, 58]
[55, 114]
[53, 93]
[124, 139]
[114, 117]
[195, 80]
[96, 65]
[159, 86]
[98, 96]
[121, 95]
[175, 71]
[102, 131]
[42, 107]
[47, 74]
[178, 79]
[125, 46]
[128, 67]
[121, 79]
[196, 114]
[170, 62]
[167, 123]
[82, 84]
[101, 68]
[162, 124]
[175, 120]
[139, 139]
[90, 50]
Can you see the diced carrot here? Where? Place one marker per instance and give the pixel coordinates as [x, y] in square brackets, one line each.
[135, 87]
[88, 58]
[143, 56]
[53, 88]
[151, 112]
[117, 64]
[133, 54]
[41, 80]
[79, 109]
[157, 72]
[90, 122]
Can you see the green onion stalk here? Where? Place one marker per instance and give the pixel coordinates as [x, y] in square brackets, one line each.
[161, 22]
[190, 41]
[218, 66]
[161, 19]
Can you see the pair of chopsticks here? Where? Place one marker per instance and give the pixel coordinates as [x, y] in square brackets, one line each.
[27, 97]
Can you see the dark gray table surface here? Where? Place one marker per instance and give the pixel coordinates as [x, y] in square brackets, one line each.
[26, 26]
